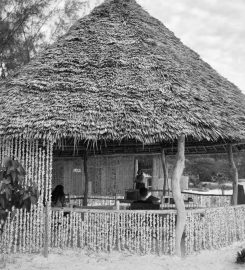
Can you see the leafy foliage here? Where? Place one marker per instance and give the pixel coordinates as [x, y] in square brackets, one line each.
[241, 256]
[27, 26]
[212, 169]
[13, 192]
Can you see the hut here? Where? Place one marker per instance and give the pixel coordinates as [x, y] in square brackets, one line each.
[118, 91]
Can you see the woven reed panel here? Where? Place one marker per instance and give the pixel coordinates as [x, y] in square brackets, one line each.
[77, 177]
[126, 174]
[110, 166]
[110, 175]
[70, 173]
[94, 174]
[58, 173]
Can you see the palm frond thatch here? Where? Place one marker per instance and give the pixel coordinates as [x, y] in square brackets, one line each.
[121, 74]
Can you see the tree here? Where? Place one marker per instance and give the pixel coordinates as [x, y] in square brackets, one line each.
[233, 174]
[204, 167]
[19, 20]
[209, 168]
[28, 26]
[178, 199]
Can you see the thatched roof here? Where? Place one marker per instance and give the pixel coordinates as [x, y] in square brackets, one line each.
[121, 74]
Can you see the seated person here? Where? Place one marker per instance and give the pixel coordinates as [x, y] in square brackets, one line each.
[147, 201]
[58, 196]
[139, 180]
[146, 196]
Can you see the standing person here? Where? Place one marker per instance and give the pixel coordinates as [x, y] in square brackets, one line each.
[58, 196]
[139, 180]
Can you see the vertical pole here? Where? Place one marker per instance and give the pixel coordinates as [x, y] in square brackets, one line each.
[136, 166]
[46, 233]
[179, 202]
[233, 174]
[165, 171]
[85, 165]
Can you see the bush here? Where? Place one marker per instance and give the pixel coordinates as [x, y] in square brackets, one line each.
[241, 256]
[13, 192]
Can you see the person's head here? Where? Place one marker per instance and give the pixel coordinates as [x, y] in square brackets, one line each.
[140, 172]
[59, 189]
[58, 193]
[143, 193]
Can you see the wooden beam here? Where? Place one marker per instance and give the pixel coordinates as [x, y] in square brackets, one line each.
[85, 167]
[165, 171]
[136, 167]
[224, 147]
[178, 199]
[233, 174]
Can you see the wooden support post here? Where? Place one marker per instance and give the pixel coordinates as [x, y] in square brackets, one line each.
[165, 171]
[233, 174]
[85, 166]
[179, 202]
[136, 166]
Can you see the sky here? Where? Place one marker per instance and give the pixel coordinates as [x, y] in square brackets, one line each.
[215, 29]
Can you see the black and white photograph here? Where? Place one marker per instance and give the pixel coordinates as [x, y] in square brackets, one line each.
[122, 134]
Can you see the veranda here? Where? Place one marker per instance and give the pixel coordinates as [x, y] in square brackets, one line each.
[211, 220]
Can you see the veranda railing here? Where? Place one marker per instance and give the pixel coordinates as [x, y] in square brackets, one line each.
[93, 200]
[193, 200]
[207, 200]
[214, 228]
[140, 232]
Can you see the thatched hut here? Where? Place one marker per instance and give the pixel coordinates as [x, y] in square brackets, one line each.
[118, 85]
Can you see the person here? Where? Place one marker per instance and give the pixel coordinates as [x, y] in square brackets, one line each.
[58, 196]
[147, 201]
[139, 180]
[145, 196]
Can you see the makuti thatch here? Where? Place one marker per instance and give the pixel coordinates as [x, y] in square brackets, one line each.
[121, 74]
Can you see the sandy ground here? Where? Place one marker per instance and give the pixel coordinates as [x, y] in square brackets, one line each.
[223, 259]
